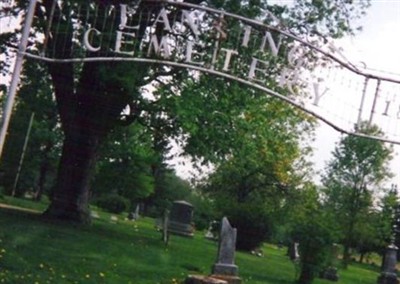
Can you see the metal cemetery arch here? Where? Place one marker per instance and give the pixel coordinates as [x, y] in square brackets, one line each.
[203, 39]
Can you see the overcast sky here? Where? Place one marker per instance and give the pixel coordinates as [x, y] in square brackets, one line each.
[378, 47]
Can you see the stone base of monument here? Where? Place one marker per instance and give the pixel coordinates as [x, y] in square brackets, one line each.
[213, 279]
[388, 278]
[224, 269]
[230, 279]
[201, 279]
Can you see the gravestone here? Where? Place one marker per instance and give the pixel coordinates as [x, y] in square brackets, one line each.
[224, 271]
[94, 214]
[165, 234]
[294, 251]
[389, 273]
[134, 215]
[181, 219]
[226, 250]
[212, 232]
[330, 274]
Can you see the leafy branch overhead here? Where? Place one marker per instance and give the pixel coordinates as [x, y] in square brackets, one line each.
[212, 119]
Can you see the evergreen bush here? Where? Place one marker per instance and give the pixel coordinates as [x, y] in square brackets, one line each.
[113, 203]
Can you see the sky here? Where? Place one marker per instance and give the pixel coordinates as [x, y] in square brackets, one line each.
[378, 47]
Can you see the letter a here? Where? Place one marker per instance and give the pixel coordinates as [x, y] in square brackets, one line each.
[163, 18]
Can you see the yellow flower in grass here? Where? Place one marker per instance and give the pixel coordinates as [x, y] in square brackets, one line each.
[101, 274]
[87, 276]
[41, 265]
[3, 251]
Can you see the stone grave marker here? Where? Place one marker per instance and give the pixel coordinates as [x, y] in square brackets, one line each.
[212, 231]
[226, 250]
[224, 271]
[181, 219]
[134, 215]
[389, 272]
[114, 219]
[94, 214]
[165, 221]
[294, 251]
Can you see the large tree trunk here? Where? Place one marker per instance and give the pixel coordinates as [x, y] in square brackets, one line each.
[71, 195]
[87, 116]
[90, 100]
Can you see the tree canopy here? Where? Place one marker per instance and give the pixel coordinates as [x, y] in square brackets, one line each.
[208, 115]
[355, 173]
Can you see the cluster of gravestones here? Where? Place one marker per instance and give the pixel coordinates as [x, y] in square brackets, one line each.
[388, 271]
[224, 271]
[179, 222]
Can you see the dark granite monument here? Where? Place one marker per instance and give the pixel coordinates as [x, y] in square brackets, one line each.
[180, 221]
[389, 273]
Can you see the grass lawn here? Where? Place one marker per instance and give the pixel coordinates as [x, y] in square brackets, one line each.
[36, 251]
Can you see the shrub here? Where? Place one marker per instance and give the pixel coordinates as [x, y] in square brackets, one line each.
[113, 203]
[316, 240]
[252, 228]
[251, 221]
[203, 211]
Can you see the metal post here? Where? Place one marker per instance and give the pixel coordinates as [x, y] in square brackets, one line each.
[360, 110]
[21, 160]
[378, 84]
[16, 74]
